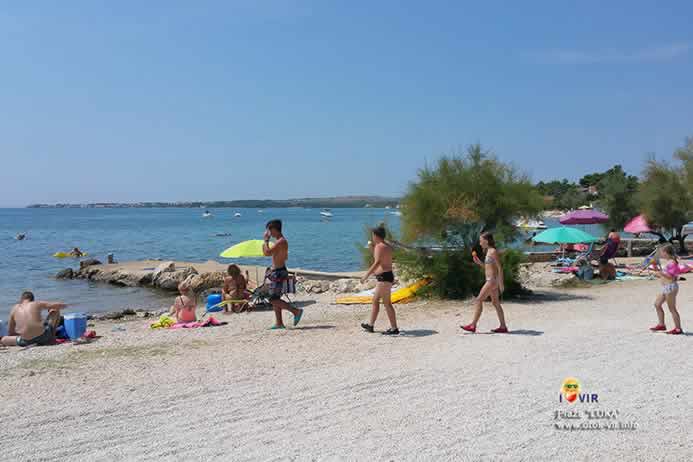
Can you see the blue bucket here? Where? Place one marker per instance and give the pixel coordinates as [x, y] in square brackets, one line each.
[214, 299]
[75, 325]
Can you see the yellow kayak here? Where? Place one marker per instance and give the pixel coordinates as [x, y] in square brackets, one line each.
[403, 295]
[68, 255]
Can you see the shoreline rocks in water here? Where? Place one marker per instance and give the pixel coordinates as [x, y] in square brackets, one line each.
[203, 278]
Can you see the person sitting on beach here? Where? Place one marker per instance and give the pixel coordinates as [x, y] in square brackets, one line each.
[670, 289]
[185, 305]
[26, 326]
[493, 286]
[607, 271]
[382, 267]
[235, 288]
[76, 252]
[278, 274]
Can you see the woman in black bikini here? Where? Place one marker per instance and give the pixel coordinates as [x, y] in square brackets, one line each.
[382, 256]
[493, 286]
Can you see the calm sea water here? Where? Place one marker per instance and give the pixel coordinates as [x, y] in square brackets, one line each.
[172, 234]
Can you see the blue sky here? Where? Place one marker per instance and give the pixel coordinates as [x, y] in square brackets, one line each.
[167, 100]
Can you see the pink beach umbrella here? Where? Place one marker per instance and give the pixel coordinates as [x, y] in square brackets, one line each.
[637, 225]
[584, 217]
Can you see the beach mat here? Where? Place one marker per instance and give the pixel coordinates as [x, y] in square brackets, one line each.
[403, 295]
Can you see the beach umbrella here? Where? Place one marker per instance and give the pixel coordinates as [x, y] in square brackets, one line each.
[564, 235]
[637, 225]
[245, 249]
[584, 217]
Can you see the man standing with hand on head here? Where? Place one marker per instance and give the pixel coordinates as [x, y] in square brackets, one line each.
[278, 274]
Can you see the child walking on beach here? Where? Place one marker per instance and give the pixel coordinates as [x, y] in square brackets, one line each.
[382, 267]
[670, 289]
[184, 306]
[493, 286]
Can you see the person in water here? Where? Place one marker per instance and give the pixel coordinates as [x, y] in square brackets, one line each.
[76, 252]
[278, 275]
[185, 304]
[670, 289]
[235, 288]
[26, 325]
[382, 268]
[493, 286]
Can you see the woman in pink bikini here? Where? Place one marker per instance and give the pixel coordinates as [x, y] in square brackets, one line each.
[670, 289]
[493, 286]
[185, 305]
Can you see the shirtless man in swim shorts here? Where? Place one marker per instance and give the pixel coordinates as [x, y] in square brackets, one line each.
[278, 274]
[26, 326]
[382, 267]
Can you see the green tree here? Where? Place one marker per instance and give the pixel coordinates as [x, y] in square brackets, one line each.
[449, 205]
[619, 197]
[466, 189]
[665, 198]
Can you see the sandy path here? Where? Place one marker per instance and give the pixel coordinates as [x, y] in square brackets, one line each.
[328, 391]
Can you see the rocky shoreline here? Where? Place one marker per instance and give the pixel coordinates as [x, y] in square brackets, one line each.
[203, 278]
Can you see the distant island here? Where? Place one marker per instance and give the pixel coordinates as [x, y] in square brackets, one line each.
[310, 202]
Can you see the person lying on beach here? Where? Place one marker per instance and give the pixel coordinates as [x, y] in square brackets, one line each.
[185, 304]
[26, 325]
[235, 288]
[278, 274]
[382, 268]
[670, 289]
[493, 286]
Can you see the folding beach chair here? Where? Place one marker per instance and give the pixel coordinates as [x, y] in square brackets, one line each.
[261, 295]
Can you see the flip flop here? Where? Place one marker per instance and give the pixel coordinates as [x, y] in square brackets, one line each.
[658, 327]
[277, 328]
[367, 327]
[297, 318]
[500, 330]
[469, 328]
[675, 331]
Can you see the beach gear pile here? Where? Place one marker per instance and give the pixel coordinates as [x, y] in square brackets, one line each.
[167, 322]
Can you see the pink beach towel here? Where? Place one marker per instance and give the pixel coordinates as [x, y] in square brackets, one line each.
[210, 322]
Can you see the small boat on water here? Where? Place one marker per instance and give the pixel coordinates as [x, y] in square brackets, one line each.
[260, 211]
[530, 224]
[327, 213]
[397, 213]
[236, 214]
[207, 214]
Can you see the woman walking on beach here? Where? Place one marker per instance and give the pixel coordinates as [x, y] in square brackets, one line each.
[670, 289]
[493, 286]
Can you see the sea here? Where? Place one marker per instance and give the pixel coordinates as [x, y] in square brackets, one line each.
[182, 234]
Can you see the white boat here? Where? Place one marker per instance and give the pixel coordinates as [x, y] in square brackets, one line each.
[236, 214]
[530, 224]
[207, 214]
[260, 211]
[396, 212]
[326, 213]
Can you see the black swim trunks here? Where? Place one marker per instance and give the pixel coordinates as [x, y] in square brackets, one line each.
[385, 276]
[278, 277]
[46, 338]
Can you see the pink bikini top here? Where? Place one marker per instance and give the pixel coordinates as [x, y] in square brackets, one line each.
[673, 269]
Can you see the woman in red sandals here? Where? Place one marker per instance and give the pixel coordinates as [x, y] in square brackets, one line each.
[493, 286]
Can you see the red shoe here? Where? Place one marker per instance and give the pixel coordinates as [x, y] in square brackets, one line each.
[500, 330]
[675, 331]
[469, 328]
[658, 327]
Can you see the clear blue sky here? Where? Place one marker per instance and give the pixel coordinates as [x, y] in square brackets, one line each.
[179, 100]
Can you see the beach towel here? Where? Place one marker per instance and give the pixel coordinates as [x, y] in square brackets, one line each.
[209, 322]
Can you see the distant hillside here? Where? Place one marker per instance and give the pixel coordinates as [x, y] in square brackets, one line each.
[308, 202]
